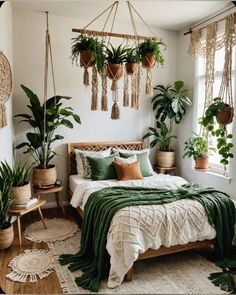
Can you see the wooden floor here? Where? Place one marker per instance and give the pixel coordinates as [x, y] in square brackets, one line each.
[48, 285]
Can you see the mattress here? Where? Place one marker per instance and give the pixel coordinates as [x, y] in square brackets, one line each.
[75, 180]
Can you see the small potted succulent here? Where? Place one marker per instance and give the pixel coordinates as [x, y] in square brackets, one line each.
[150, 52]
[197, 148]
[132, 60]
[18, 177]
[6, 228]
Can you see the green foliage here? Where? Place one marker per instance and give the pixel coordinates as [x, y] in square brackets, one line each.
[5, 201]
[152, 46]
[196, 146]
[132, 56]
[171, 102]
[224, 144]
[17, 175]
[162, 137]
[81, 43]
[39, 143]
[115, 55]
[224, 280]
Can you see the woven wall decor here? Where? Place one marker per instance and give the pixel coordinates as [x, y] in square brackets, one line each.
[5, 87]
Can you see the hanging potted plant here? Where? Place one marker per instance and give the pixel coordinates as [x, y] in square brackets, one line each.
[197, 148]
[18, 177]
[132, 60]
[150, 52]
[45, 119]
[6, 228]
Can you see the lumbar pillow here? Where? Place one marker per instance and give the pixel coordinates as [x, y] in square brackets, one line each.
[133, 152]
[83, 167]
[128, 160]
[102, 168]
[145, 165]
[125, 171]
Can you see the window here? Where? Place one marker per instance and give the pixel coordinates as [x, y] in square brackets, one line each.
[214, 158]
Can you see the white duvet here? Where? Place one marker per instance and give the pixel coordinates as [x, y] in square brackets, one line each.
[136, 229]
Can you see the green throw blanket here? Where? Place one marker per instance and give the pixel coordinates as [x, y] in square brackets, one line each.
[93, 258]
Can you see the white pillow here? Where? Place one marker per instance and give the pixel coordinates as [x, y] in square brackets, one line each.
[131, 151]
[129, 160]
[83, 167]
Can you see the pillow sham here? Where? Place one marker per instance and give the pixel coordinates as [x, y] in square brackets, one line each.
[83, 168]
[145, 165]
[128, 160]
[128, 171]
[102, 168]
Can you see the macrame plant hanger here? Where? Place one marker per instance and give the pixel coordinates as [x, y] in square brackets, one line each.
[48, 55]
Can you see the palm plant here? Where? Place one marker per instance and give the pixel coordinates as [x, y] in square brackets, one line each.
[115, 55]
[5, 203]
[45, 119]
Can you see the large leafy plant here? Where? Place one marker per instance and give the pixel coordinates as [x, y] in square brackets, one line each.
[115, 55]
[152, 46]
[5, 202]
[45, 119]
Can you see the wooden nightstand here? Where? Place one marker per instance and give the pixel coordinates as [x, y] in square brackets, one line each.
[164, 170]
[55, 189]
[20, 212]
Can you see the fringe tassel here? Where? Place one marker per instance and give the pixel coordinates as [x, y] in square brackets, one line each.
[86, 77]
[3, 116]
[149, 82]
[104, 91]
[115, 112]
[114, 85]
[126, 90]
[138, 87]
[133, 91]
[94, 100]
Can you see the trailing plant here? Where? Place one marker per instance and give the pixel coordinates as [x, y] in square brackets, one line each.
[161, 137]
[39, 142]
[115, 55]
[224, 144]
[196, 146]
[5, 203]
[132, 56]
[82, 43]
[152, 46]
[17, 175]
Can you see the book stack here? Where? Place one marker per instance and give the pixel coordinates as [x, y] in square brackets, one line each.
[25, 205]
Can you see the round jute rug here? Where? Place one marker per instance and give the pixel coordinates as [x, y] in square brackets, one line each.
[58, 229]
[35, 264]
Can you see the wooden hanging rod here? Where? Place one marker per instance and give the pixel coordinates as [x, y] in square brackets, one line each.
[117, 35]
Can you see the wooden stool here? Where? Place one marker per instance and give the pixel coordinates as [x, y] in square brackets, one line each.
[55, 189]
[164, 170]
[20, 212]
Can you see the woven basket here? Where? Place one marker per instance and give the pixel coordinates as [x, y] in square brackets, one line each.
[21, 194]
[148, 61]
[6, 237]
[44, 178]
[165, 159]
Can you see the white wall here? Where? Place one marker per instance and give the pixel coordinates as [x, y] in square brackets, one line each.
[29, 32]
[6, 133]
[185, 72]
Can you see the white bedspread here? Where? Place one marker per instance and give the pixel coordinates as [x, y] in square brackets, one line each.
[136, 229]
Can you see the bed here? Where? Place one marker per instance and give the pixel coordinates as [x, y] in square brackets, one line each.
[79, 188]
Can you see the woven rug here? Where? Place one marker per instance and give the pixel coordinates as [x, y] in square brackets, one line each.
[182, 273]
[33, 264]
[58, 229]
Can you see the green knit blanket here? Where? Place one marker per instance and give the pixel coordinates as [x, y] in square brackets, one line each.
[93, 258]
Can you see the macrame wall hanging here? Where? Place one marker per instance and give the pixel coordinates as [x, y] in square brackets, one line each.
[131, 72]
[5, 87]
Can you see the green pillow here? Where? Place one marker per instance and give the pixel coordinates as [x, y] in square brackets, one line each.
[102, 168]
[145, 165]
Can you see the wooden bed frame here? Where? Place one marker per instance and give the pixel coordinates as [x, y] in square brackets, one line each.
[134, 145]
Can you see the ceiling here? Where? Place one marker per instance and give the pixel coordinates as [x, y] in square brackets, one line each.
[172, 15]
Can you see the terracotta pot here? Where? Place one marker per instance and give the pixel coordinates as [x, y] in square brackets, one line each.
[44, 178]
[6, 237]
[86, 58]
[21, 194]
[115, 71]
[131, 68]
[149, 61]
[225, 116]
[201, 163]
[165, 159]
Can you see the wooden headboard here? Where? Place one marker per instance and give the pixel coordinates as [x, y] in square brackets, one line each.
[97, 146]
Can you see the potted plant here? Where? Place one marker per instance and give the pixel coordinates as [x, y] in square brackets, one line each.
[150, 52]
[132, 59]
[162, 137]
[18, 177]
[197, 147]
[215, 113]
[6, 228]
[45, 119]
